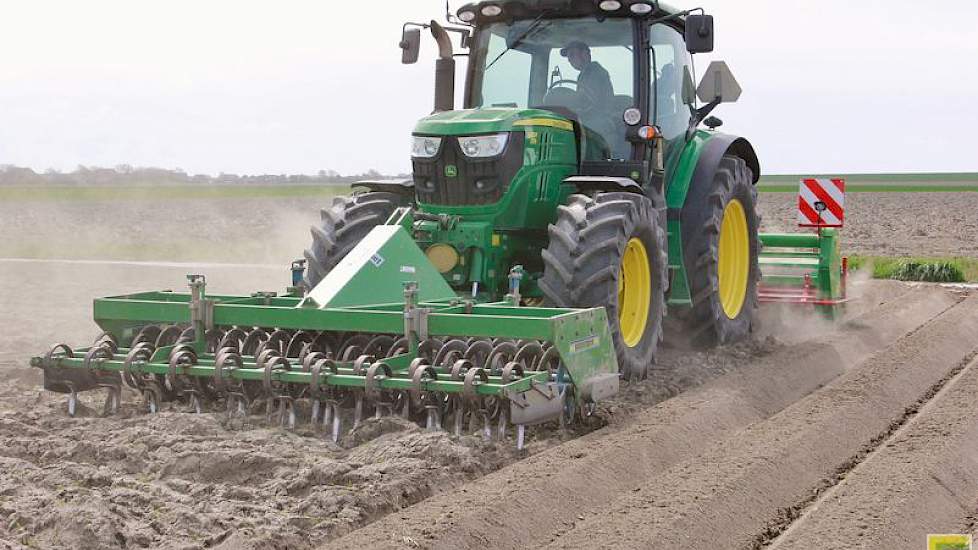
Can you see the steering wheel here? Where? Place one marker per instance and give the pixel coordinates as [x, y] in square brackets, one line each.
[560, 82]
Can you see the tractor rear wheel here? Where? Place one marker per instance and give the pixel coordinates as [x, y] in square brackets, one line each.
[610, 251]
[721, 247]
[344, 224]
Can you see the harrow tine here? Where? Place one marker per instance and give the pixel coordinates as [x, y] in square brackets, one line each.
[72, 400]
[336, 422]
[152, 401]
[314, 416]
[433, 422]
[486, 425]
[112, 400]
[358, 412]
[458, 421]
[286, 412]
[195, 406]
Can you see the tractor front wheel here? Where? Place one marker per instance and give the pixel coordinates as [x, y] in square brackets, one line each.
[610, 251]
[721, 248]
[343, 225]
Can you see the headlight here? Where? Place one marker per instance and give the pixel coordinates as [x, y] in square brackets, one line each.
[425, 147]
[483, 146]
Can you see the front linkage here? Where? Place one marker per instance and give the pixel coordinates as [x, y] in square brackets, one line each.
[489, 366]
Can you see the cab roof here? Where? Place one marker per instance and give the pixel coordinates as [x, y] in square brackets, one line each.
[531, 9]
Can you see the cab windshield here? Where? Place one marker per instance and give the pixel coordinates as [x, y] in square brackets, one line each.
[582, 65]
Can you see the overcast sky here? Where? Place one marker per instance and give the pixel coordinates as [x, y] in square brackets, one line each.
[302, 85]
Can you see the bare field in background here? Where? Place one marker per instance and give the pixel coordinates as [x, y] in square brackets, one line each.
[892, 224]
[234, 225]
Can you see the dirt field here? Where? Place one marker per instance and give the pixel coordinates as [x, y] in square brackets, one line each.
[814, 435]
[893, 224]
[273, 231]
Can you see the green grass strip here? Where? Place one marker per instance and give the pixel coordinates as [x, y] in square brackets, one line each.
[935, 270]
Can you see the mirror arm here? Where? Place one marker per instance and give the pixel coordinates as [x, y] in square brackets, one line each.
[697, 116]
[677, 16]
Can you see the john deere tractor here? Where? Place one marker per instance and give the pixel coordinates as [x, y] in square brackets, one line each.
[578, 155]
[523, 270]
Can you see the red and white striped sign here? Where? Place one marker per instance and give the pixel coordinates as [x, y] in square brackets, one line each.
[821, 202]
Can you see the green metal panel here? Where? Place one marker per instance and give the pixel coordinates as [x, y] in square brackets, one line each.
[679, 294]
[479, 121]
[375, 271]
[681, 166]
[788, 240]
[581, 337]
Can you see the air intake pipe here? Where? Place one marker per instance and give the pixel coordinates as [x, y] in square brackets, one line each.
[444, 70]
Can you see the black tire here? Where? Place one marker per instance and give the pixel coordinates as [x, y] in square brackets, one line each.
[583, 266]
[344, 224]
[702, 216]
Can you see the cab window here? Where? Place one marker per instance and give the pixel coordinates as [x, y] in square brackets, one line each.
[672, 66]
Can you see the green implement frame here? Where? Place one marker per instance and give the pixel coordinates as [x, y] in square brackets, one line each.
[803, 269]
[537, 363]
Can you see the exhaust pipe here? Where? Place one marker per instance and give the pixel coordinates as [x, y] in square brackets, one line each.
[444, 70]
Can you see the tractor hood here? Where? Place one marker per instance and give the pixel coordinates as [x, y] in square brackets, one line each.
[487, 121]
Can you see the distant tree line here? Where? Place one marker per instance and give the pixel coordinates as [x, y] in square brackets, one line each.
[125, 174]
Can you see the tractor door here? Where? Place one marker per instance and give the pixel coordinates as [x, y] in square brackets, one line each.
[672, 87]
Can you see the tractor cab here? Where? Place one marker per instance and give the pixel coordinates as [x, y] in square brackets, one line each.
[621, 72]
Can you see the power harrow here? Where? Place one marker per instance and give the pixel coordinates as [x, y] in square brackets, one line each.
[351, 348]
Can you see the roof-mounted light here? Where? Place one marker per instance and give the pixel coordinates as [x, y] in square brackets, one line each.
[491, 10]
[466, 15]
[610, 5]
[641, 8]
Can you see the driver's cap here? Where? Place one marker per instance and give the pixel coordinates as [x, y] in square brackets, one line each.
[573, 45]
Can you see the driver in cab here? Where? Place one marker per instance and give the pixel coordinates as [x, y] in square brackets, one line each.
[593, 82]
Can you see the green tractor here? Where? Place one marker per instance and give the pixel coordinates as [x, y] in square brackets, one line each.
[525, 268]
[579, 156]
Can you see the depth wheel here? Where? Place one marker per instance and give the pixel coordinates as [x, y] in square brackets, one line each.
[721, 246]
[610, 251]
[344, 224]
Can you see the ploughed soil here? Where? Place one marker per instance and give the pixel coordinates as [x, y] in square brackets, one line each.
[776, 441]
[178, 479]
[892, 224]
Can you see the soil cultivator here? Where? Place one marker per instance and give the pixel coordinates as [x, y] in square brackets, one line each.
[525, 267]
[426, 354]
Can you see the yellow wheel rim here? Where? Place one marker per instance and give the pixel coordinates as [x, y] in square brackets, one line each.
[734, 259]
[634, 292]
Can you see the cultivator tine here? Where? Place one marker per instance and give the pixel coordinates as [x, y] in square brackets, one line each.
[195, 406]
[520, 436]
[314, 414]
[286, 412]
[112, 400]
[152, 401]
[357, 412]
[336, 422]
[72, 400]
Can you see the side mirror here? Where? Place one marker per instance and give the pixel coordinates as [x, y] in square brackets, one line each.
[719, 85]
[410, 45]
[699, 33]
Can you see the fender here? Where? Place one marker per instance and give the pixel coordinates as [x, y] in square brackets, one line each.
[698, 162]
[703, 155]
[403, 187]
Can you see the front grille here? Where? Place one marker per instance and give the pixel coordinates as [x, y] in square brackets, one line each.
[476, 181]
